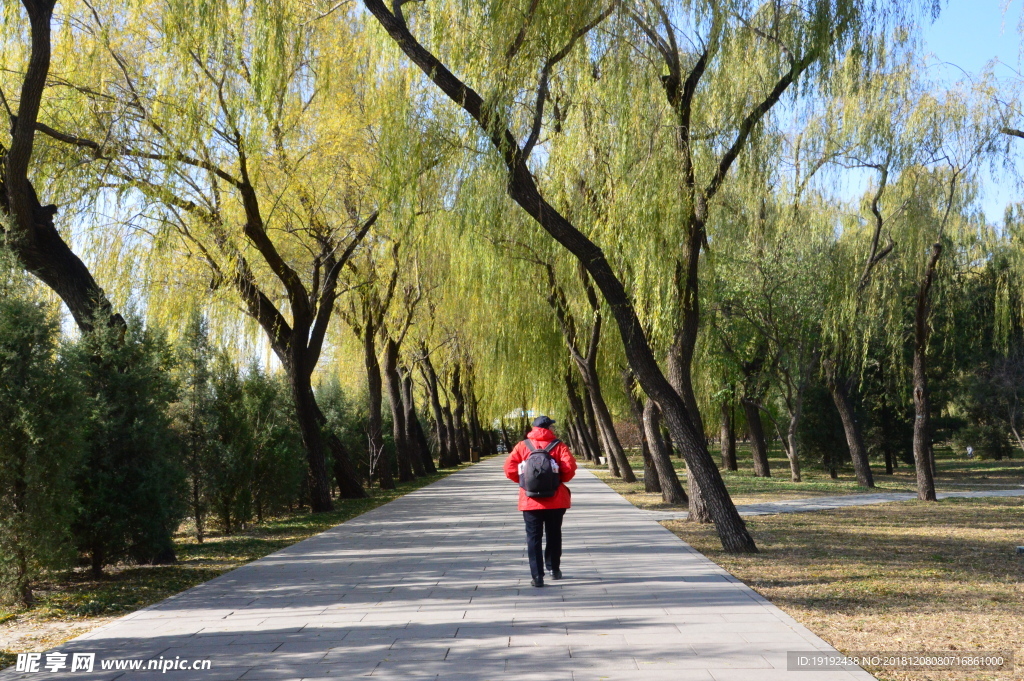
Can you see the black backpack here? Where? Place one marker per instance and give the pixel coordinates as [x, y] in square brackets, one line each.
[539, 478]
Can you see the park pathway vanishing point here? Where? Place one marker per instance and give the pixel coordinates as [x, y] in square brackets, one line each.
[436, 585]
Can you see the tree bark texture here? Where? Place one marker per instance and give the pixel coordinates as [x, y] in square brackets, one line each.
[414, 430]
[923, 456]
[671, 489]
[728, 436]
[758, 446]
[380, 462]
[793, 450]
[651, 482]
[450, 432]
[32, 235]
[394, 384]
[446, 456]
[583, 433]
[607, 426]
[459, 415]
[854, 440]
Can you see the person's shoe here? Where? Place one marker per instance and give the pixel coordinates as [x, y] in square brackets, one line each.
[556, 574]
[536, 582]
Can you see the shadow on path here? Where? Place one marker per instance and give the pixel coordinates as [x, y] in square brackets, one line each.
[436, 585]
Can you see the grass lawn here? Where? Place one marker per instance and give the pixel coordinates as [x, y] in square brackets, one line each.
[71, 603]
[904, 576]
[954, 474]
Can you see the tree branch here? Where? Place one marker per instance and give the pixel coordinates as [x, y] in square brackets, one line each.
[875, 255]
[754, 117]
[545, 74]
[102, 152]
[329, 295]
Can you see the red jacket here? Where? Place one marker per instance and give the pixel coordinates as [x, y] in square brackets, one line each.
[541, 437]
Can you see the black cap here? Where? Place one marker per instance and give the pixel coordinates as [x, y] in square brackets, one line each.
[543, 421]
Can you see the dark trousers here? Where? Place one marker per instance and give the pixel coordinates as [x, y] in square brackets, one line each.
[537, 524]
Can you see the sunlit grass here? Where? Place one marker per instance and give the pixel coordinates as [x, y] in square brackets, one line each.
[907, 576]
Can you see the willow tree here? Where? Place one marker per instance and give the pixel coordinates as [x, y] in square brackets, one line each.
[581, 332]
[870, 126]
[26, 225]
[723, 70]
[957, 128]
[765, 303]
[232, 134]
[511, 54]
[380, 313]
[909, 136]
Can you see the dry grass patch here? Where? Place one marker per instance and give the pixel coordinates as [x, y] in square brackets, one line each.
[902, 576]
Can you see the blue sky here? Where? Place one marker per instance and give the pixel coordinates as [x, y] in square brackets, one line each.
[967, 36]
[971, 33]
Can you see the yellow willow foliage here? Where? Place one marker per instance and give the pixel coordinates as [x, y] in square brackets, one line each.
[607, 156]
[186, 102]
[329, 122]
[923, 146]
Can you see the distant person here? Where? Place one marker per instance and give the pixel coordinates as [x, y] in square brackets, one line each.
[542, 464]
[970, 452]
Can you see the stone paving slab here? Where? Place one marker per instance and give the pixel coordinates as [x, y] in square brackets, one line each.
[841, 501]
[435, 585]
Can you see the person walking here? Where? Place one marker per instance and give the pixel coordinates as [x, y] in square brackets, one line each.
[542, 464]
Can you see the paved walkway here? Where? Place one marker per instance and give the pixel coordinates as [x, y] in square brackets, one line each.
[840, 501]
[436, 586]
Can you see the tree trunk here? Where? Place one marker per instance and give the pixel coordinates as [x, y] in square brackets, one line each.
[380, 462]
[854, 440]
[591, 447]
[522, 188]
[446, 456]
[792, 451]
[579, 445]
[590, 426]
[450, 432]
[475, 430]
[197, 508]
[306, 411]
[671, 489]
[651, 482]
[30, 232]
[461, 436]
[669, 447]
[698, 510]
[96, 561]
[420, 448]
[573, 439]
[728, 434]
[923, 456]
[604, 421]
[758, 447]
[504, 437]
[610, 461]
[583, 434]
[394, 383]
[345, 474]
[680, 362]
